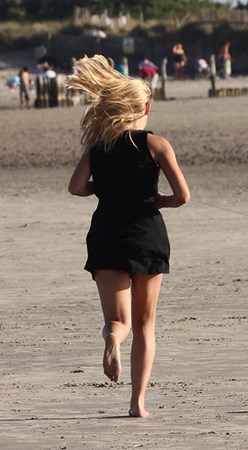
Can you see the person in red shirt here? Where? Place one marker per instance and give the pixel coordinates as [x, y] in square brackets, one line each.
[149, 71]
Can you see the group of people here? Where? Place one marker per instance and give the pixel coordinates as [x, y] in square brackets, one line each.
[149, 71]
[24, 82]
[202, 67]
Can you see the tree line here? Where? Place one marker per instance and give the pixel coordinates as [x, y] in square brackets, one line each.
[58, 9]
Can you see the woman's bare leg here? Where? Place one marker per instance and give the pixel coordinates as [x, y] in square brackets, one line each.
[145, 292]
[115, 294]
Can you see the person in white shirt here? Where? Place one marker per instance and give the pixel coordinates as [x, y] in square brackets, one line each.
[49, 73]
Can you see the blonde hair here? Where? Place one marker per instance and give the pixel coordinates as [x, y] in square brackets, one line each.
[117, 101]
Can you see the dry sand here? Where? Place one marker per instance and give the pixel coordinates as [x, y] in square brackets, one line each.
[53, 392]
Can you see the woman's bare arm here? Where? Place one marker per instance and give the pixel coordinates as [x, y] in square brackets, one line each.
[79, 183]
[164, 156]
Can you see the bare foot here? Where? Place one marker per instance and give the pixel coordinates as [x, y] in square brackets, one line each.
[111, 358]
[138, 412]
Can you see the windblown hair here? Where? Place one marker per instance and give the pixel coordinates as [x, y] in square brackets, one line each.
[117, 101]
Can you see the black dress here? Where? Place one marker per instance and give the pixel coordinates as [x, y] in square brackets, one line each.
[127, 231]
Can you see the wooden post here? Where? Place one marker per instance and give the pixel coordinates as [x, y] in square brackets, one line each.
[45, 92]
[52, 92]
[38, 101]
[164, 77]
[212, 92]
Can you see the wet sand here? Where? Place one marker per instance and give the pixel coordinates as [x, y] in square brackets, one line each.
[53, 392]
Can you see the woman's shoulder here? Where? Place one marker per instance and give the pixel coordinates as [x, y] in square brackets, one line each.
[156, 140]
[158, 145]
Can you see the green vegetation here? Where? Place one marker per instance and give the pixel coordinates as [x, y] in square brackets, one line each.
[28, 22]
[14, 33]
[20, 10]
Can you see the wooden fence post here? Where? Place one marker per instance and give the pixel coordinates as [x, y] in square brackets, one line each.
[38, 85]
[164, 77]
[212, 92]
[46, 92]
[52, 92]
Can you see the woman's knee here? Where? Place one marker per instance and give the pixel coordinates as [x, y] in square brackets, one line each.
[143, 325]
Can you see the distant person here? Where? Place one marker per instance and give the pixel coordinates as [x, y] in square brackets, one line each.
[149, 71]
[14, 82]
[202, 68]
[122, 66]
[179, 60]
[49, 72]
[111, 61]
[225, 61]
[24, 87]
[73, 62]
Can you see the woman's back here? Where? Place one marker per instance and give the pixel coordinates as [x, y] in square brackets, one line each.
[127, 173]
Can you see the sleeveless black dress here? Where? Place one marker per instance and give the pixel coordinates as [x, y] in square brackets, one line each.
[127, 231]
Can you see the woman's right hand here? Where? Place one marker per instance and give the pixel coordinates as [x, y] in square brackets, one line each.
[159, 200]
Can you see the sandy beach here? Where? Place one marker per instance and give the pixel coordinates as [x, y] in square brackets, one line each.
[54, 395]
